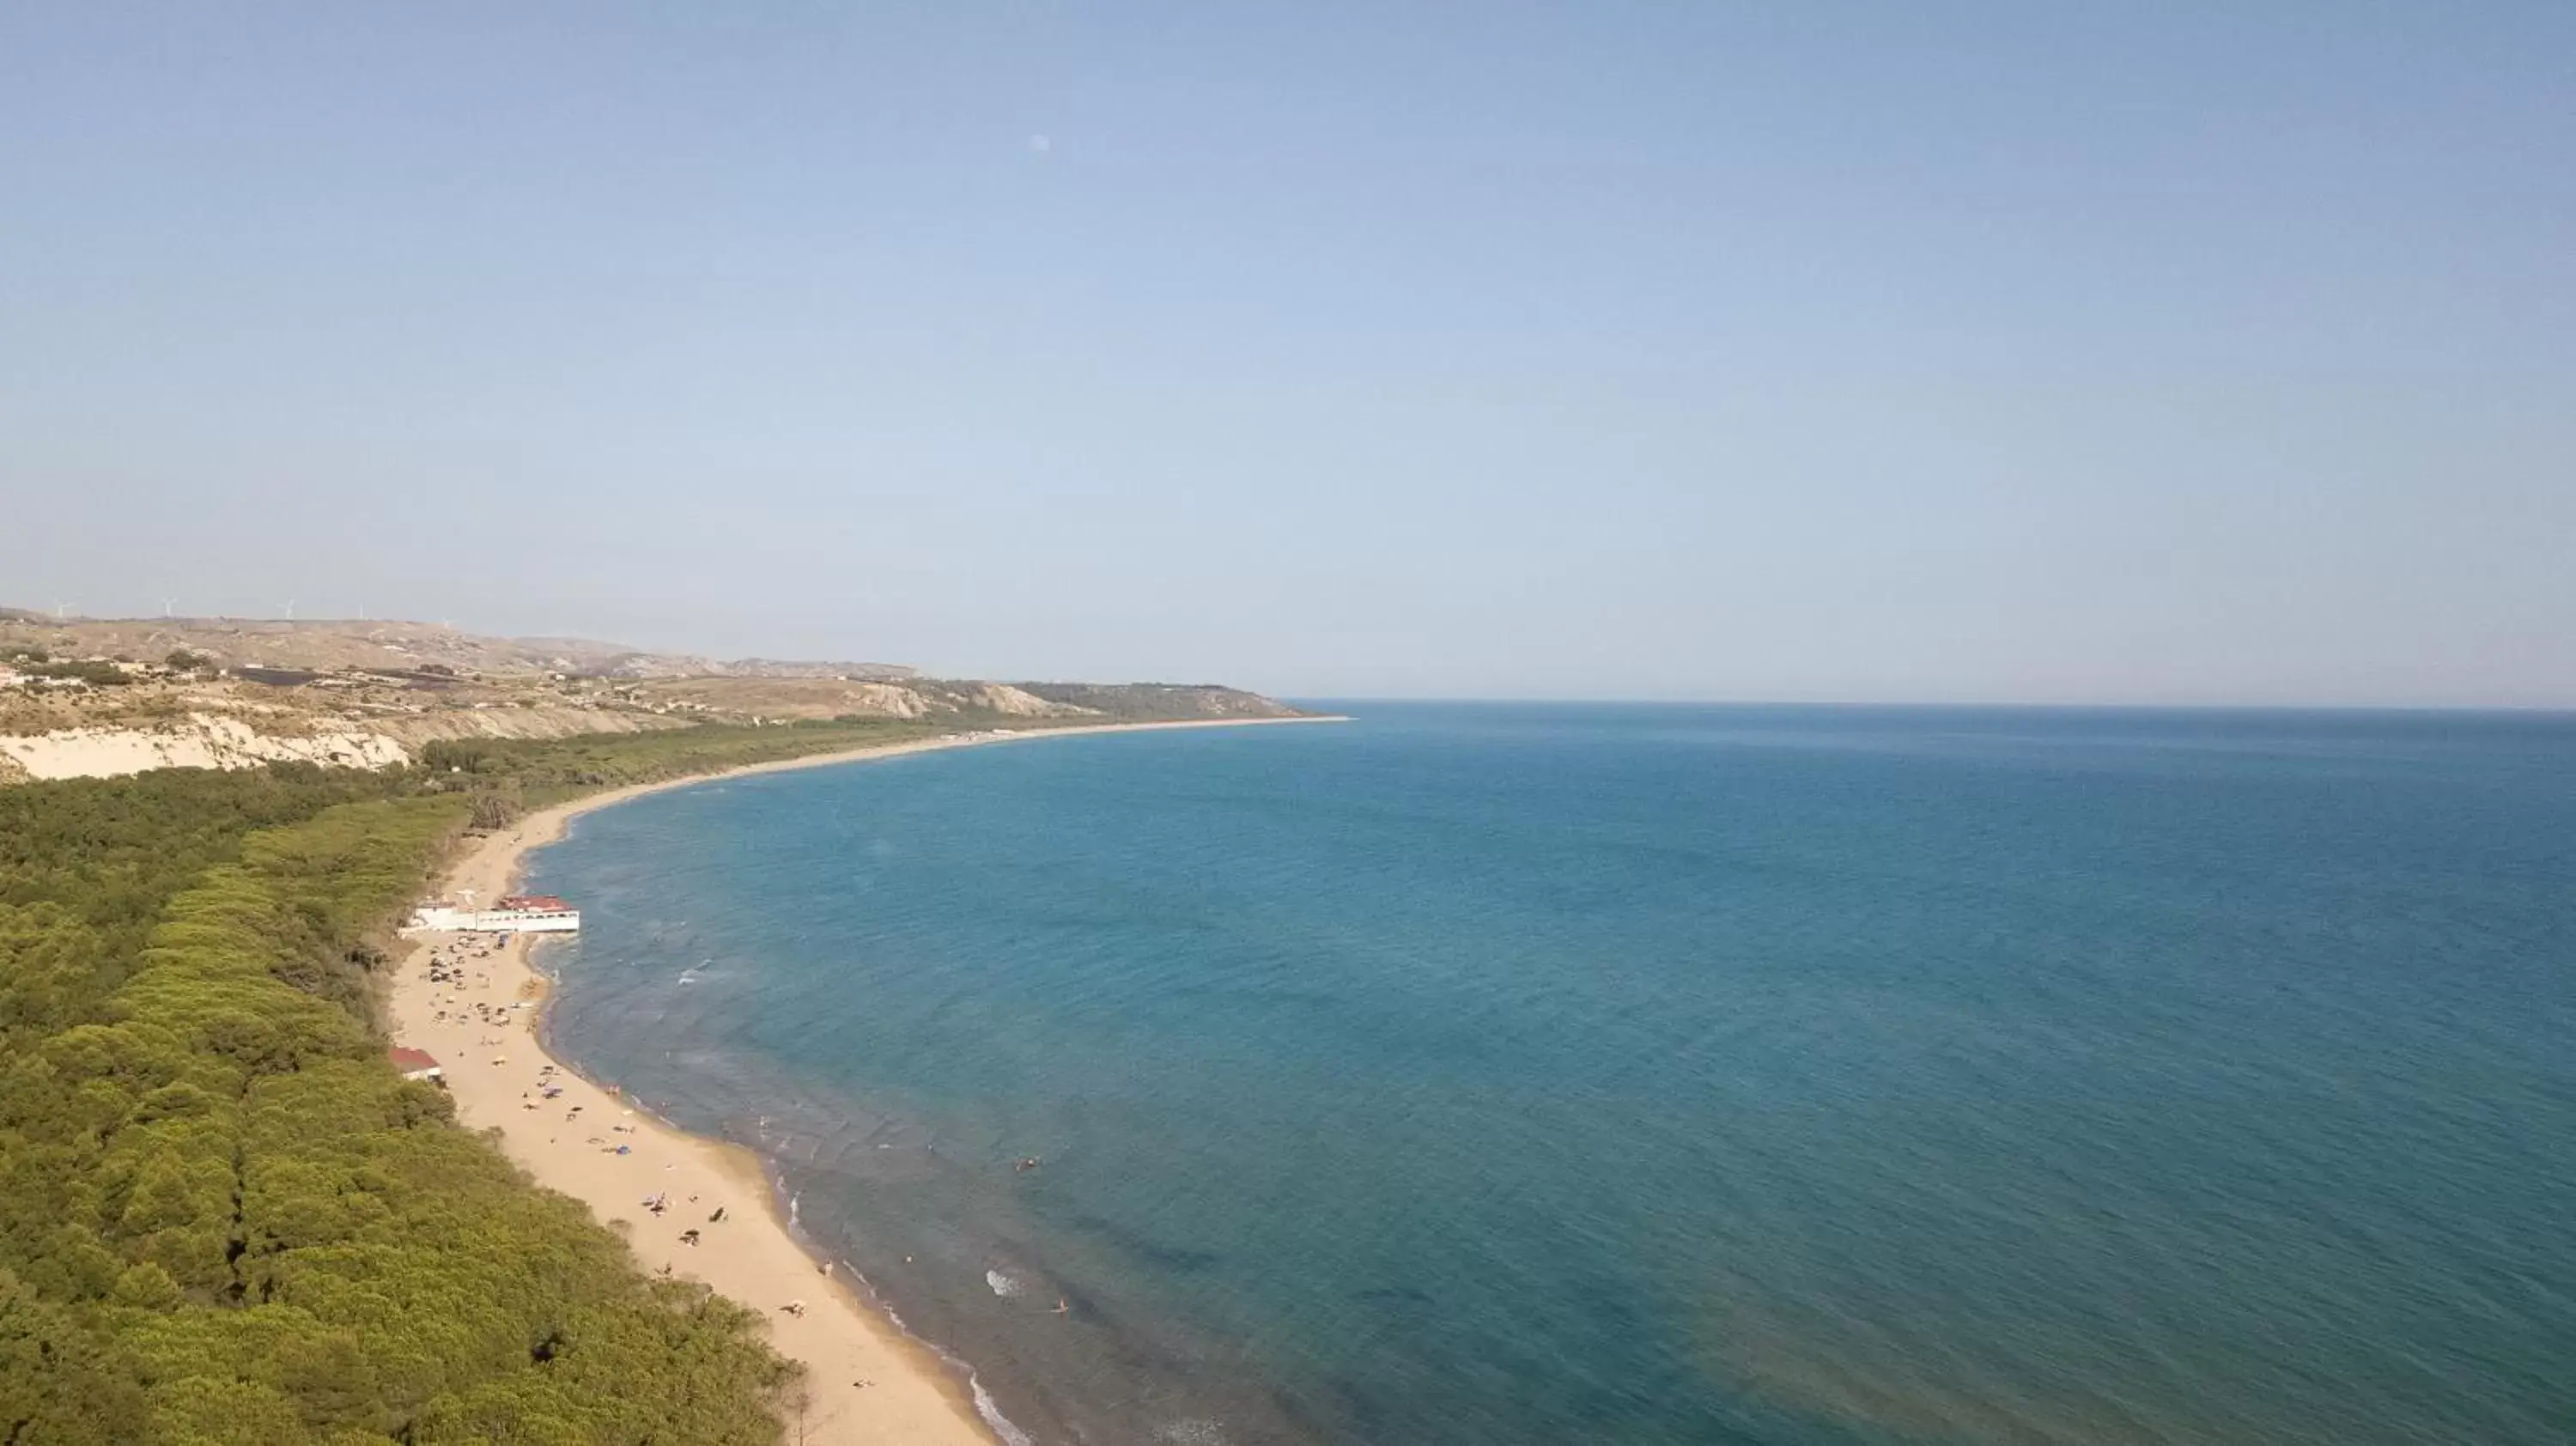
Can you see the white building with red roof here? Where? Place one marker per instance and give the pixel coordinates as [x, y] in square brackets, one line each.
[416, 1063]
[517, 914]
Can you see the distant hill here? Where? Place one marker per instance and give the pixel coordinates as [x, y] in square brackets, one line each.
[120, 695]
[1145, 701]
[327, 644]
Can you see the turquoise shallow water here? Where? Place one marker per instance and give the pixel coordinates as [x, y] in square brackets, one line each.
[1544, 1074]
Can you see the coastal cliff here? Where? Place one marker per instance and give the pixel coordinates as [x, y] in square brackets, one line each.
[103, 698]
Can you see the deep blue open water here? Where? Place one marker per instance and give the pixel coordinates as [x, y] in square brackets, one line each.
[1494, 1075]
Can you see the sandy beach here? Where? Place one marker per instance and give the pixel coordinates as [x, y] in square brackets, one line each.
[867, 1381]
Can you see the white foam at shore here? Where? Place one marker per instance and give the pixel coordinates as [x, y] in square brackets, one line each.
[1011, 1435]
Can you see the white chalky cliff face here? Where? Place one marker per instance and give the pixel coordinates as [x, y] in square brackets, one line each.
[198, 741]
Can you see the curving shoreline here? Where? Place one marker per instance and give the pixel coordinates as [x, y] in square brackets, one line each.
[867, 1380]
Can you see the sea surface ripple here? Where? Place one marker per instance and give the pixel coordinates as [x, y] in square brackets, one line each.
[1509, 1074]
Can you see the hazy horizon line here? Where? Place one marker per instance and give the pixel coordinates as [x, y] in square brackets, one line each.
[1302, 699]
[1302, 696]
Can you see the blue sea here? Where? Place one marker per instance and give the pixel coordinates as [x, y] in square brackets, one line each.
[1490, 1075]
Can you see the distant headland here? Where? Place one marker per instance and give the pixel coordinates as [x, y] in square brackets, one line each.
[90, 697]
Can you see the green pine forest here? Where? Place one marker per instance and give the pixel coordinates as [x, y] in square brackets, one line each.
[223, 1216]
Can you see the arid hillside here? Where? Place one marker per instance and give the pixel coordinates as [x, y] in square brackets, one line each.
[329, 645]
[84, 696]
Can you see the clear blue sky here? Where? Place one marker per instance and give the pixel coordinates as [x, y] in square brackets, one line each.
[2159, 352]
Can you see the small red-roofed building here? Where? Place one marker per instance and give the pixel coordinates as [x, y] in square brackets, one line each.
[417, 1064]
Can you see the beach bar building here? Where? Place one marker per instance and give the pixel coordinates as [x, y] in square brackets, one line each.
[417, 1064]
[517, 914]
